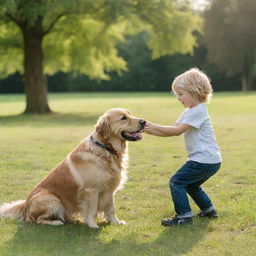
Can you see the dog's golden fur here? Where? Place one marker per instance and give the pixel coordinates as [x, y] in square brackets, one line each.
[85, 182]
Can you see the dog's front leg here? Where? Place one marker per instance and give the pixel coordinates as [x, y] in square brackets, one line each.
[109, 209]
[91, 213]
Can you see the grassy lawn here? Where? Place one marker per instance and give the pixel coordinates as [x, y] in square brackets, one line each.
[32, 145]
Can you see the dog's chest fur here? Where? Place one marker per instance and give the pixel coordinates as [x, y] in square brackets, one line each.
[98, 170]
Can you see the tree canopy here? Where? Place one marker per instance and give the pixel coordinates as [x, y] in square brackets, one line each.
[46, 36]
[231, 37]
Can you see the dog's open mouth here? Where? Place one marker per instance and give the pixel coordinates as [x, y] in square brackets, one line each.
[132, 136]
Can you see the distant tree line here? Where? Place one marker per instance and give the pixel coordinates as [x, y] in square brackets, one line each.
[128, 49]
[143, 74]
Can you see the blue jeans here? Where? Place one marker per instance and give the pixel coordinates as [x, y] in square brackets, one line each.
[188, 180]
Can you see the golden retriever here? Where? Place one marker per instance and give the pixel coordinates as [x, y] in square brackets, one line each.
[84, 184]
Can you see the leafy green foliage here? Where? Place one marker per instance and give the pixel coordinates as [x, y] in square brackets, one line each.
[83, 46]
[10, 49]
[82, 35]
[230, 35]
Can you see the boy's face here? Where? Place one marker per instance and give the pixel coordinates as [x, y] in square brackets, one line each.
[187, 99]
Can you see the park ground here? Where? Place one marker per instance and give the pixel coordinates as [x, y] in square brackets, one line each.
[31, 145]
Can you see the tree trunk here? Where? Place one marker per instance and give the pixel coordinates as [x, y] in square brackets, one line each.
[246, 82]
[34, 79]
[247, 72]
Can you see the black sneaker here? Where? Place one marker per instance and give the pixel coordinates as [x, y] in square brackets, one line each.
[176, 221]
[211, 214]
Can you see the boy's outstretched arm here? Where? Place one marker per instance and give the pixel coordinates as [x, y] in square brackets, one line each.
[165, 131]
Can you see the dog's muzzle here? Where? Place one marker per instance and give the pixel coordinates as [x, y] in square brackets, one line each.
[134, 136]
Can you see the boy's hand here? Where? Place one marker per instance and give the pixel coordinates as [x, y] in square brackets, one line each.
[149, 127]
[165, 131]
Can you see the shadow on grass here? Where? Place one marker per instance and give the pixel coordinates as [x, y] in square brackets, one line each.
[53, 119]
[80, 240]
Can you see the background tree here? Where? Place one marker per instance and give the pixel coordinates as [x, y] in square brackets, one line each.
[143, 73]
[46, 36]
[231, 37]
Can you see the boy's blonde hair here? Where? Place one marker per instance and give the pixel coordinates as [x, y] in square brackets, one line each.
[195, 82]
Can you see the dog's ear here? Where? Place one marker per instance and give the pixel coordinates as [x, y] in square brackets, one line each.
[103, 126]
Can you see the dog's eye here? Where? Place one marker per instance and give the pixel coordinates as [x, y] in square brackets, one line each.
[123, 118]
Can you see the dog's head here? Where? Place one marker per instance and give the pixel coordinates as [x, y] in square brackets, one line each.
[119, 122]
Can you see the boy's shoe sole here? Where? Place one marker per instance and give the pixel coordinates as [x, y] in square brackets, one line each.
[211, 215]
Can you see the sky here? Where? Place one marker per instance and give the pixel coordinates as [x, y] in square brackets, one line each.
[199, 4]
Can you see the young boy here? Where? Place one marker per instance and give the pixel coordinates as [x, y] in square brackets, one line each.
[193, 90]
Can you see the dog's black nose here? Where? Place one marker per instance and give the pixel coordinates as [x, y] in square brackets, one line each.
[142, 122]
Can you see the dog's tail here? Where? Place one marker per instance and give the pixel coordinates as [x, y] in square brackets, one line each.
[14, 209]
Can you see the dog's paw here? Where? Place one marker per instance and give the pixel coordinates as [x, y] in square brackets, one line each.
[57, 223]
[114, 220]
[92, 225]
[118, 222]
[122, 222]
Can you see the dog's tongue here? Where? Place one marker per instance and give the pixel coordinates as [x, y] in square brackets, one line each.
[135, 135]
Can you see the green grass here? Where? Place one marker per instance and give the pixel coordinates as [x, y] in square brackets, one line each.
[32, 145]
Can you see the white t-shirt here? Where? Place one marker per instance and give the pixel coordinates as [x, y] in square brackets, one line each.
[200, 139]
